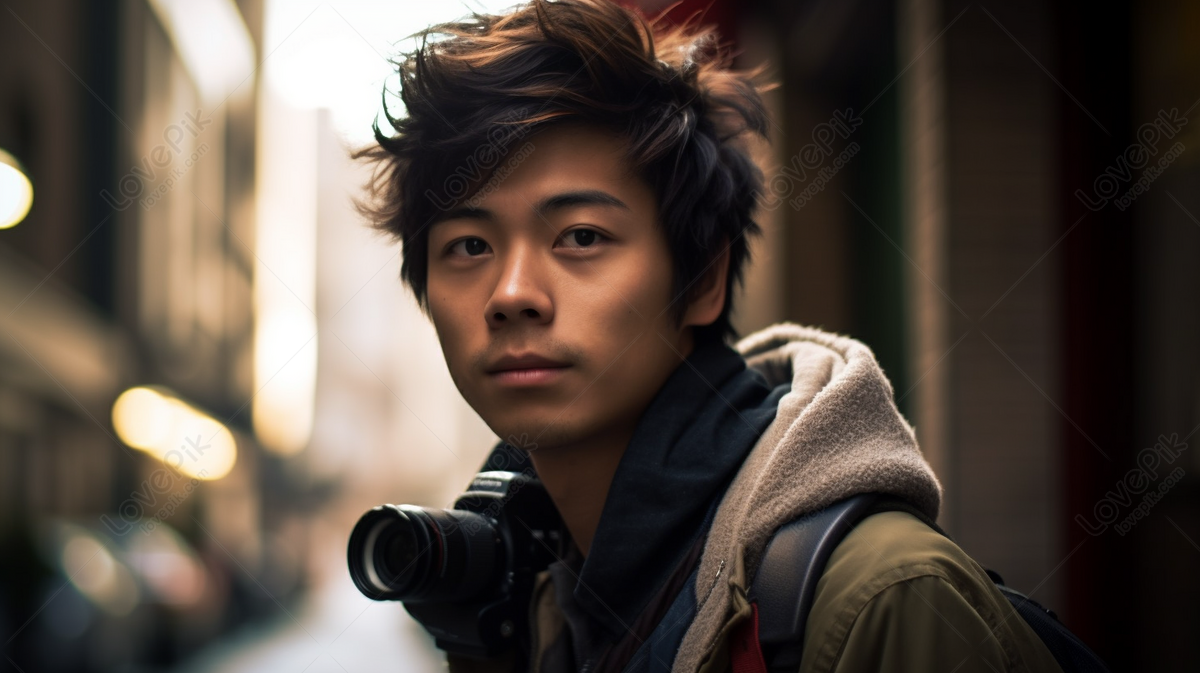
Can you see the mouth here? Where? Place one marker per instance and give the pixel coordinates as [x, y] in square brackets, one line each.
[526, 370]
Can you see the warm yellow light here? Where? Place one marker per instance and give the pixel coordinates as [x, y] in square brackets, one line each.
[143, 417]
[16, 191]
[164, 426]
[285, 278]
[287, 369]
[204, 448]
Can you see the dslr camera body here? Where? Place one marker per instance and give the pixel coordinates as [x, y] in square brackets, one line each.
[465, 573]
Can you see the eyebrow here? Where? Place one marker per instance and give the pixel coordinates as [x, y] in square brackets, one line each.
[571, 199]
[582, 197]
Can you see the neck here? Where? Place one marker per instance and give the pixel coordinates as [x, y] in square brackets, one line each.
[578, 477]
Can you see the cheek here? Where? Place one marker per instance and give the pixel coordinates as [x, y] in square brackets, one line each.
[644, 288]
[455, 338]
[611, 306]
[448, 322]
[624, 313]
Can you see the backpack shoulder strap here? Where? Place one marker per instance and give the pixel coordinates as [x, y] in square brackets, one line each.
[792, 564]
[795, 558]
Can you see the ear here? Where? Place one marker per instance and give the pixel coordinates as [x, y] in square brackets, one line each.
[707, 297]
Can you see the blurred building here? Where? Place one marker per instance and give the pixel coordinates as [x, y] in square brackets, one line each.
[135, 267]
[1001, 201]
[188, 160]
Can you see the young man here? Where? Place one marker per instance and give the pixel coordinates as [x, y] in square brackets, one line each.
[574, 203]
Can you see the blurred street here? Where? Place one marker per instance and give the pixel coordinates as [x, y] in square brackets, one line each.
[334, 629]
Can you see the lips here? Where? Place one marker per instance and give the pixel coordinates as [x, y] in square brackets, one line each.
[526, 371]
[510, 363]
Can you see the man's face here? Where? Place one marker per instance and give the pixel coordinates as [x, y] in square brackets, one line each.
[551, 293]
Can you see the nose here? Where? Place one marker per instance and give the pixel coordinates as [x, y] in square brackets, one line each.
[521, 294]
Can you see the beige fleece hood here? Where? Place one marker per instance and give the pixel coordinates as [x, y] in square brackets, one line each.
[837, 433]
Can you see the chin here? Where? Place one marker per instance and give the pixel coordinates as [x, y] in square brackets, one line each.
[538, 430]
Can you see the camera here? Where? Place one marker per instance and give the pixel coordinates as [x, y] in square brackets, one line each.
[465, 573]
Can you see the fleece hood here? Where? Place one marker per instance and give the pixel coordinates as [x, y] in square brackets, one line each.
[837, 433]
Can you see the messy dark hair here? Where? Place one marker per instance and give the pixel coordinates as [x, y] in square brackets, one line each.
[473, 88]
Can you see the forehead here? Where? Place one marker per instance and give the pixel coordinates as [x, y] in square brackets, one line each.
[562, 158]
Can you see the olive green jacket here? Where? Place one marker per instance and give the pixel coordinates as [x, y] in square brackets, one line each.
[896, 595]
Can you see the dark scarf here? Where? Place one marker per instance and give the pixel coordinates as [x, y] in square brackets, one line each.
[684, 452]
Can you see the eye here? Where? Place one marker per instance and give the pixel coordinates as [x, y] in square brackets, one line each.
[469, 247]
[581, 238]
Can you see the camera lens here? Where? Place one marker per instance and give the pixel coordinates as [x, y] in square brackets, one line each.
[408, 553]
[395, 552]
[391, 552]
